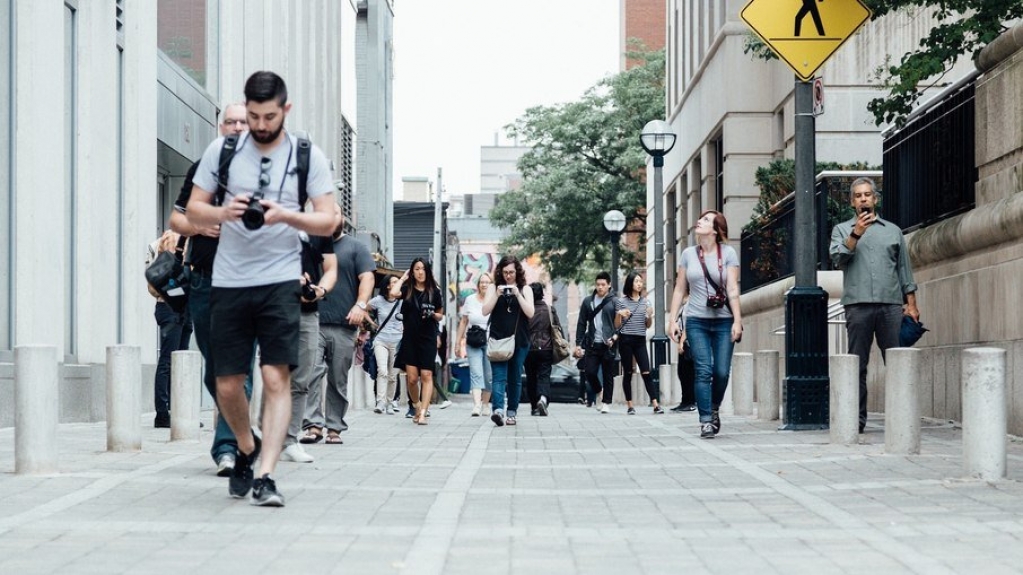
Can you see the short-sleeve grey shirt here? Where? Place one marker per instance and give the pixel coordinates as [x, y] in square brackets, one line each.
[271, 254]
[699, 287]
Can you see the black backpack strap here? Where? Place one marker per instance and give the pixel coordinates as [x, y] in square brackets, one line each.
[302, 166]
[227, 152]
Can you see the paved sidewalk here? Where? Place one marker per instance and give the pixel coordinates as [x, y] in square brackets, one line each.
[576, 492]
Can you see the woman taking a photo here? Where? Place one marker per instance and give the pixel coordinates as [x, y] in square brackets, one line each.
[632, 318]
[709, 273]
[422, 307]
[510, 306]
[385, 343]
[473, 318]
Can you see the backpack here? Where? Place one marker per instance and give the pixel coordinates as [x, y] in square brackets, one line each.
[230, 148]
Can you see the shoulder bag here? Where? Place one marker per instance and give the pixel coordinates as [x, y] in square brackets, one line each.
[502, 349]
[476, 336]
[169, 276]
[560, 344]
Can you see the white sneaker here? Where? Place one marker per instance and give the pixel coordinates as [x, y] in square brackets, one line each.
[380, 407]
[445, 404]
[605, 408]
[486, 410]
[394, 407]
[294, 452]
[476, 410]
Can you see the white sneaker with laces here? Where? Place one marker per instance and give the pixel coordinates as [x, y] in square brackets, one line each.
[605, 408]
[394, 407]
[380, 407]
[476, 409]
[294, 452]
[486, 410]
[445, 404]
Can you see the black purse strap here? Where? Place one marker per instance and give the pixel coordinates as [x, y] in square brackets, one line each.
[388, 318]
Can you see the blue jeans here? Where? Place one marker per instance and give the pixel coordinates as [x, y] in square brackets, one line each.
[175, 331]
[711, 342]
[224, 441]
[480, 372]
[508, 379]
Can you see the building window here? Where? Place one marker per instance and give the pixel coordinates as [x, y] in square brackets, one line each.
[70, 175]
[181, 35]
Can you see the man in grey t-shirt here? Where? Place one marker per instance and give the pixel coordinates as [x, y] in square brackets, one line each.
[256, 290]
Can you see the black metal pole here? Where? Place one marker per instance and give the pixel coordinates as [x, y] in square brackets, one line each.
[659, 343]
[615, 239]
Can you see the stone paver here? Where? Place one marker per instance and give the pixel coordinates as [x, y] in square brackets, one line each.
[576, 492]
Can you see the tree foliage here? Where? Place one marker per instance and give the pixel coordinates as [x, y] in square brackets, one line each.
[965, 26]
[585, 160]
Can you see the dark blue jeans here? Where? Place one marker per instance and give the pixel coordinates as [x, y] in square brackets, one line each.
[199, 307]
[175, 331]
[711, 342]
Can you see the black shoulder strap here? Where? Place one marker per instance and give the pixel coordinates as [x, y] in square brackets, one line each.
[227, 152]
[388, 318]
[596, 310]
[302, 166]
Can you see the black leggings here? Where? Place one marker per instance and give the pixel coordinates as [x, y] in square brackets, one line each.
[634, 346]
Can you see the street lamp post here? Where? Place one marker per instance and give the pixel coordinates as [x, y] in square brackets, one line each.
[658, 139]
[614, 223]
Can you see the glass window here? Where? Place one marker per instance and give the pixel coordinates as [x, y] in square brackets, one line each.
[181, 35]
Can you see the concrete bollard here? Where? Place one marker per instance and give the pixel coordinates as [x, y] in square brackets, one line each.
[902, 401]
[742, 383]
[768, 386]
[36, 408]
[186, 395]
[844, 409]
[124, 410]
[670, 388]
[984, 413]
[256, 399]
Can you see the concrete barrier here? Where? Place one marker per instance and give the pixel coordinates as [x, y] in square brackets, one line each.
[186, 395]
[36, 408]
[671, 387]
[984, 413]
[768, 385]
[742, 383]
[844, 409]
[902, 401]
[124, 410]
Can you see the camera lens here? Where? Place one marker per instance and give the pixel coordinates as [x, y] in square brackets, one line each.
[252, 217]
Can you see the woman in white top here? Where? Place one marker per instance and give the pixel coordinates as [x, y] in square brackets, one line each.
[385, 344]
[479, 366]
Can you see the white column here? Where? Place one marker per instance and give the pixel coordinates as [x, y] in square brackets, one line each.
[742, 383]
[844, 409]
[124, 411]
[36, 408]
[768, 386]
[984, 413]
[902, 401]
[671, 387]
[186, 387]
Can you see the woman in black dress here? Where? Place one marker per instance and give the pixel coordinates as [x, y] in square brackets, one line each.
[422, 308]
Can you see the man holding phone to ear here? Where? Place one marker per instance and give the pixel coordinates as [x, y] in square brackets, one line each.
[877, 287]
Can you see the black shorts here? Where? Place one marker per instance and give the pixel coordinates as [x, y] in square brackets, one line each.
[241, 316]
[417, 352]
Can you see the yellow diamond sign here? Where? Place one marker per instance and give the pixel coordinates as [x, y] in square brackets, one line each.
[805, 33]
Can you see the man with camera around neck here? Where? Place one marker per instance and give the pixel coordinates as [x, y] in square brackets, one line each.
[256, 289]
[877, 282]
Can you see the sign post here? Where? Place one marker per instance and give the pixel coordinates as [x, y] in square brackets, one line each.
[804, 34]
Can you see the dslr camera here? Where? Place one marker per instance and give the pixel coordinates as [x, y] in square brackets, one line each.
[716, 301]
[428, 310]
[307, 291]
[252, 217]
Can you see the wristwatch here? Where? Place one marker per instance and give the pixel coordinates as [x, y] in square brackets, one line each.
[361, 305]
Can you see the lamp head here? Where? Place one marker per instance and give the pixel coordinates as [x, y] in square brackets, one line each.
[657, 138]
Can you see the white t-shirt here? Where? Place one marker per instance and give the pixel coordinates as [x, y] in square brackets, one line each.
[271, 254]
[473, 309]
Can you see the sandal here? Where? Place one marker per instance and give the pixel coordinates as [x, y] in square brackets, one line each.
[312, 435]
[333, 438]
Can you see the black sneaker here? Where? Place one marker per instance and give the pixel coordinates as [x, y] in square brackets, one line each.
[682, 407]
[241, 477]
[631, 411]
[498, 417]
[715, 421]
[707, 430]
[541, 406]
[534, 412]
[658, 410]
[410, 413]
[265, 494]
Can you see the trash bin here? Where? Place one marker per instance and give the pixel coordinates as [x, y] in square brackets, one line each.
[460, 371]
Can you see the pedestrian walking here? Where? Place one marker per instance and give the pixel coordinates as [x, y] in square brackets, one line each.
[593, 340]
[385, 343]
[709, 272]
[633, 315]
[541, 352]
[422, 308]
[175, 332]
[510, 306]
[877, 279]
[255, 294]
[472, 338]
[686, 372]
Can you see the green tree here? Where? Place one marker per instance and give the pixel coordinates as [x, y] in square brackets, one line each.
[965, 27]
[585, 160]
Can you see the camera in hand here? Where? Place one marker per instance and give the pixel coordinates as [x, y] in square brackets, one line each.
[428, 310]
[252, 217]
[506, 291]
[308, 292]
[716, 301]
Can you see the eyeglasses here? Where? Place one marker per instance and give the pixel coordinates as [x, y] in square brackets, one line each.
[241, 122]
[264, 172]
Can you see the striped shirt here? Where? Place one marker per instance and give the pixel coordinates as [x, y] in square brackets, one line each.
[636, 324]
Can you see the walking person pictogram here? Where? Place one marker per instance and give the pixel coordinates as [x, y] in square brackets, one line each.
[809, 7]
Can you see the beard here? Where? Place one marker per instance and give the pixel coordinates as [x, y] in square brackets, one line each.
[266, 136]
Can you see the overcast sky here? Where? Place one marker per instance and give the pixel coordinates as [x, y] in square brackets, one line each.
[466, 68]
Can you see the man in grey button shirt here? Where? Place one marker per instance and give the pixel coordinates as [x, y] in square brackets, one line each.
[878, 286]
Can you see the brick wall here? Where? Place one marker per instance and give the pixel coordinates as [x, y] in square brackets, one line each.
[644, 20]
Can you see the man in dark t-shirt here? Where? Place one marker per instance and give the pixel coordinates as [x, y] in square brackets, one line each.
[202, 252]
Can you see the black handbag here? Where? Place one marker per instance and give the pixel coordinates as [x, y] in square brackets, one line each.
[476, 336]
[169, 276]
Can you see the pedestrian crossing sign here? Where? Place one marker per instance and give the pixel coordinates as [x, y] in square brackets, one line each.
[805, 33]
